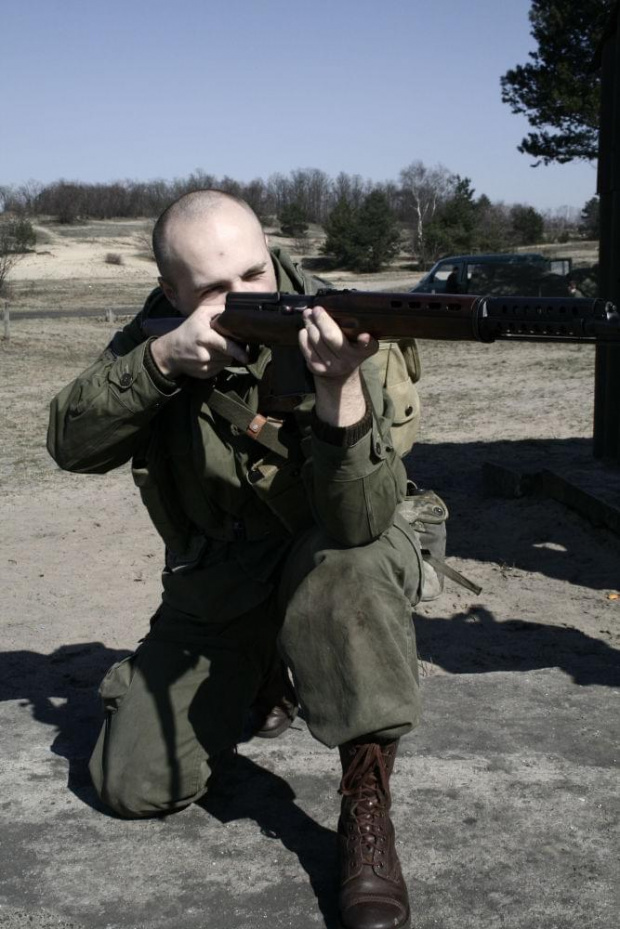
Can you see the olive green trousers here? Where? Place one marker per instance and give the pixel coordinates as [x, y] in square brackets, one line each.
[340, 618]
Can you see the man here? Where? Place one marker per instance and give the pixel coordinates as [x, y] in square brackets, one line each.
[573, 290]
[296, 551]
[452, 281]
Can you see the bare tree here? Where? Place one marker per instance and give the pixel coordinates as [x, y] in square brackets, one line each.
[352, 188]
[16, 235]
[7, 262]
[422, 190]
[562, 223]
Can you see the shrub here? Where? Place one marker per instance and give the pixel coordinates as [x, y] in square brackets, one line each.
[16, 236]
[113, 258]
[293, 221]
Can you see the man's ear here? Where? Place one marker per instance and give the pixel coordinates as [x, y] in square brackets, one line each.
[169, 291]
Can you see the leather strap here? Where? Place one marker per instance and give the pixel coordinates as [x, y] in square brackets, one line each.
[257, 427]
[442, 568]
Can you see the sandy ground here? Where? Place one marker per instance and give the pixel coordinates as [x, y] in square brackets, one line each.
[79, 563]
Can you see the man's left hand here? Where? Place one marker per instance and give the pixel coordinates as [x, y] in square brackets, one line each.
[334, 361]
[327, 350]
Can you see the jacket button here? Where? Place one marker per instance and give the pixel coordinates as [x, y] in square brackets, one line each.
[126, 379]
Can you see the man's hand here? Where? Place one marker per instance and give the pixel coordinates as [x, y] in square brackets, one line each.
[334, 361]
[196, 347]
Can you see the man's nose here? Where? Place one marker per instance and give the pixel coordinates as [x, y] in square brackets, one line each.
[238, 287]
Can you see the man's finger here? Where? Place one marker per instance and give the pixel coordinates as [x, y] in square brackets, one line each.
[236, 351]
[330, 332]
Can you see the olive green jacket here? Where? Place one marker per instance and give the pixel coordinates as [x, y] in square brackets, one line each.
[203, 478]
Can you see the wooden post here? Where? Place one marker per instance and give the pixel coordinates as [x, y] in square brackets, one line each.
[7, 321]
[607, 369]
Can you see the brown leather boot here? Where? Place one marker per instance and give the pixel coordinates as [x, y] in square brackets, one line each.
[373, 894]
[275, 707]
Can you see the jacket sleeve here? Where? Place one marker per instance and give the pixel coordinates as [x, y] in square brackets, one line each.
[354, 490]
[98, 421]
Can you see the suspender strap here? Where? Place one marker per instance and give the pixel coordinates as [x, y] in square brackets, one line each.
[257, 427]
[442, 568]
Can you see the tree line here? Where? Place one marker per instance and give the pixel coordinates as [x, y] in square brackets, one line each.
[428, 212]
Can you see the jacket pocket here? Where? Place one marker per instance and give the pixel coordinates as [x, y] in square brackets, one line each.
[152, 475]
[279, 485]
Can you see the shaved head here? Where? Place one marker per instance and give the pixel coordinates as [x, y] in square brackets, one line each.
[198, 207]
[207, 244]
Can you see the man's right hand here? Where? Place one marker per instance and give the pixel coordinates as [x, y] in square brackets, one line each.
[196, 348]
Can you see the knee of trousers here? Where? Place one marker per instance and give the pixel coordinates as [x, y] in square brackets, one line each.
[137, 792]
[137, 774]
[351, 592]
[391, 565]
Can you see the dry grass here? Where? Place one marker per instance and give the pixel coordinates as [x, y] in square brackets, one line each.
[37, 361]
[75, 295]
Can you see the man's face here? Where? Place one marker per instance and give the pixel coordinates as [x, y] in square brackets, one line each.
[222, 253]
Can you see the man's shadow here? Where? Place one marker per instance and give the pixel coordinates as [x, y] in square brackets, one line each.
[244, 790]
[474, 642]
[61, 691]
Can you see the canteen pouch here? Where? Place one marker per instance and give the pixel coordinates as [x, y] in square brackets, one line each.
[427, 513]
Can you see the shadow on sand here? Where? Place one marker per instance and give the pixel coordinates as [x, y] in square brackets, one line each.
[244, 790]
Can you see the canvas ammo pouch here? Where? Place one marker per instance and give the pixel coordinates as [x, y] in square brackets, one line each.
[399, 370]
[426, 513]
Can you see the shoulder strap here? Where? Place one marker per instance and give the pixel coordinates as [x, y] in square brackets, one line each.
[257, 427]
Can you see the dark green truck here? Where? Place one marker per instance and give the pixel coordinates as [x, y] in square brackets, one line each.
[521, 274]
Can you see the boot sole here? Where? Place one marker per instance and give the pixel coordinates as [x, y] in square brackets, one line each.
[278, 731]
[405, 925]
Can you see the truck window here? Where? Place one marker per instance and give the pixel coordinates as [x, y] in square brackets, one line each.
[444, 270]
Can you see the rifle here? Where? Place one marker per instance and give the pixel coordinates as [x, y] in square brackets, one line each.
[275, 319]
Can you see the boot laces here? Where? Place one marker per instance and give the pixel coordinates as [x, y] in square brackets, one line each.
[366, 784]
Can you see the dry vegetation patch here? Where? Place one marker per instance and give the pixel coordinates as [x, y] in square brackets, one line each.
[38, 360]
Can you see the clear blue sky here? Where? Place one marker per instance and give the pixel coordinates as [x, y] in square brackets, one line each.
[144, 89]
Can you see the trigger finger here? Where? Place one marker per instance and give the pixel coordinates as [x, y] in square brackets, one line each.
[236, 351]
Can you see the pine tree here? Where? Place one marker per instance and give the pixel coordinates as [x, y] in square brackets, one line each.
[527, 225]
[558, 90]
[590, 219]
[377, 235]
[340, 228]
[293, 220]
